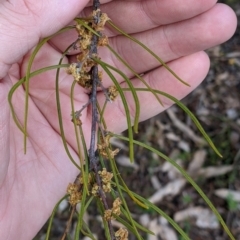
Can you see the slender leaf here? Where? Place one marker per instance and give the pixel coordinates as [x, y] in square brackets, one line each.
[19, 83]
[134, 72]
[188, 178]
[189, 113]
[52, 217]
[28, 73]
[128, 81]
[130, 133]
[148, 50]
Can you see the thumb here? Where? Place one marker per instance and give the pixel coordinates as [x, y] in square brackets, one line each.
[23, 23]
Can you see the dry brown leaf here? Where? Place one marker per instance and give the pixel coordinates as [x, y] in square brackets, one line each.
[204, 217]
[125, 161]
[226, 193]
[197, 162]
[214, 171]
[233, 54]
[159, 227]
[155, 183]
[173, 137]
[166, 232]
[185, 129]
[172, 172]
[184, 146]
[118, 143]
[172, 188]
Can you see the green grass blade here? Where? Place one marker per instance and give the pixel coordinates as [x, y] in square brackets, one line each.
[126, 187]
[188, 178]
[77, 134]
[52, 217]
[59, 112]
[130, 133]
[129, 227]
[148, 50]
[127, 212]
[101, 209]
[28, 72]
[190, 114]
[101, 113]
[80, 215]
[19, 83]
[162, 213]
[85, 149]
[87, 232]
[136, 100]
[82, 22]
[134, 72]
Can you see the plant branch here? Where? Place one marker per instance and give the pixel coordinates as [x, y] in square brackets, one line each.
[95, 80]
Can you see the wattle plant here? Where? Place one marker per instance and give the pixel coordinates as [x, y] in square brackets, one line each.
[95, 181]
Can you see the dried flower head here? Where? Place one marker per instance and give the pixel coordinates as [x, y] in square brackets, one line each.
[82, 55]
[78, 121]
[105, 175]
[107, 187]
[116, 206]
[74, 70]
[108, 215]
[104, 148]
[75, 196]
[102, 21]
[121, 234]
[76, 117]
[112, 93]
[103, 41]
[106, 180]
[95, 189]
[90, 179]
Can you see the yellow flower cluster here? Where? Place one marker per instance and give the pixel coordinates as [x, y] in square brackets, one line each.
[95, 189]
[90, 179]
[75, 196]
[121, 234]
[112, 93]
[103, 19]
[81, 71]
[104, 148]
[116, 210]
[106, 180]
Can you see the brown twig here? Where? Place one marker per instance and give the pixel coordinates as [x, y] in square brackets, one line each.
[68, 223]
[95, 80]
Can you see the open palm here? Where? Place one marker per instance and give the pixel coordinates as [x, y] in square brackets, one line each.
[177, 31]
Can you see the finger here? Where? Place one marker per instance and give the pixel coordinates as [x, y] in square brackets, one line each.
[192, 68]
[175, 40]
[22, 25]
[204, 31]
[138, 16]
[4, 130]
[42, 89]
[46, 160]
[172, 41]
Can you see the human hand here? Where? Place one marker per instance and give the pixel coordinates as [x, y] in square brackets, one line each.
[177, 31]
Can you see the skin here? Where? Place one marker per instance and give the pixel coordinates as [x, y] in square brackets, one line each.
[178, 31]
